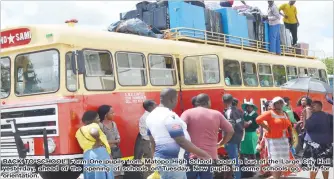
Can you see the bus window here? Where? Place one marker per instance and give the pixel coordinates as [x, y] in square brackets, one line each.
[279, 75]
[323, 75]
[191, 72]
[131, 69]
[266, 78]
[5, 77]
[71, 78]
[201, 70]
[210, 67]
[249, 74]
[303, 72]
[99, 73]
[162, 71]
[37, 72]
[292, 72]
[232, 73]
[314, 73]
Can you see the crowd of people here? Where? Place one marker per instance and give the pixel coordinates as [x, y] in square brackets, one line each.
[163, 135]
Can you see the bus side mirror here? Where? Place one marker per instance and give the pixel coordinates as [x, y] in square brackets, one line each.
[78, 54]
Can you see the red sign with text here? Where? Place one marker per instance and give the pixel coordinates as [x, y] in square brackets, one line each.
[15, 37]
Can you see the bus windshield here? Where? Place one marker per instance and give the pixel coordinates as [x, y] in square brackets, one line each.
[5, 77]
[37, 72]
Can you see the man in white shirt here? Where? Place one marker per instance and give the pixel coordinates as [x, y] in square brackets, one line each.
[143, 145]
[169, 137]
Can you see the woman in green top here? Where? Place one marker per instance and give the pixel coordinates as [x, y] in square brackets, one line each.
[248, 145]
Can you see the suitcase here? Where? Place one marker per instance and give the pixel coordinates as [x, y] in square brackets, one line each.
[302, 48]
[142, 6]
[148, 18]
[161, 18]
[152, 6]
[251, 31]
[199, 3]
[234, 25]
[129, 15]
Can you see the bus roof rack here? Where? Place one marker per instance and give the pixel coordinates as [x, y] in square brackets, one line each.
[214, 38]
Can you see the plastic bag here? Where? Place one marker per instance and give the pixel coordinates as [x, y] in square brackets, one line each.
[212, 5]
[133, 26]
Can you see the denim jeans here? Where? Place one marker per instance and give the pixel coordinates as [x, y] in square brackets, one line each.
[232, 151]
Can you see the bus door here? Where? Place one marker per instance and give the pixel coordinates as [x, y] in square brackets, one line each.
[178, 67]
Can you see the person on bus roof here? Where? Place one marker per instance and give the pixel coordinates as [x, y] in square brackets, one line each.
[109, 128]
[274, 28]
[94, 144]
[291, 21]
[229, 3]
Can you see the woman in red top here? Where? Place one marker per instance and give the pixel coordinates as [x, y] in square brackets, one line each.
[229, 3]
[278, 127]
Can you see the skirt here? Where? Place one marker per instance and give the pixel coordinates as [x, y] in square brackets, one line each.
[264, 155]
[248, 145]
[317, 152]
[278, 149]
[97, 154]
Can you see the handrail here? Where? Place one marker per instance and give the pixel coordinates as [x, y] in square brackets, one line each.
[214, 38]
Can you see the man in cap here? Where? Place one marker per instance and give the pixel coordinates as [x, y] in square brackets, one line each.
[235, 117]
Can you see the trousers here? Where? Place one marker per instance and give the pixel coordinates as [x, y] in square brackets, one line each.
[274, 39]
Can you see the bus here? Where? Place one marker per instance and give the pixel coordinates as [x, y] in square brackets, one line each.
[52, 74]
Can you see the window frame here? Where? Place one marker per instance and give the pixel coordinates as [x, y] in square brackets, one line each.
[149, 67]
[145, 67]
[10, 75]
[38, 51]
[256, 74]
[183, 66]
[242, 81]
[272, 76]
[112, 67]
[327, 78]
[69, 52]
[286, 79]
[297, 71]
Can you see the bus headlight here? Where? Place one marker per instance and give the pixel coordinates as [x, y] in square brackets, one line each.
[51, 145]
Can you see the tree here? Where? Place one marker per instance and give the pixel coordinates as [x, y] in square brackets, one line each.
[329, 65]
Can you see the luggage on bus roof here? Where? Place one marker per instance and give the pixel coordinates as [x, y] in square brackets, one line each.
[133, 26]
[234, 25]
[182, 14]
[213, 21]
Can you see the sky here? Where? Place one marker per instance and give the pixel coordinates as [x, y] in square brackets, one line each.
[315, 17]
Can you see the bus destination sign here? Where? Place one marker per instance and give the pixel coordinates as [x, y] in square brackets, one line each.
[15, 37]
